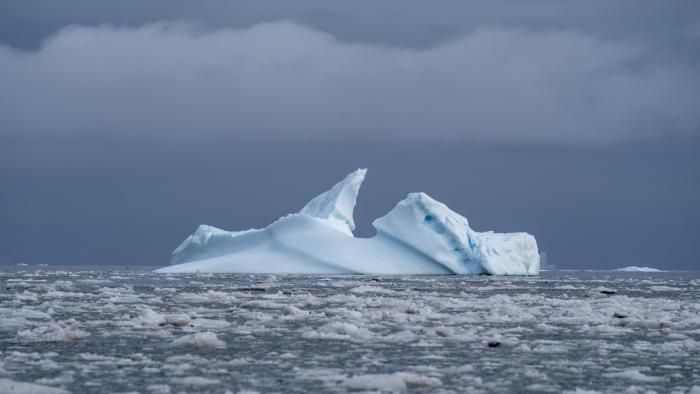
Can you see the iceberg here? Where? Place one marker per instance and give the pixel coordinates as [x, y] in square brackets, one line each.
[418, 236]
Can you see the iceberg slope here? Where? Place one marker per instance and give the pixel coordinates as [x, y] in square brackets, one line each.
[419, 236]
[434, 230]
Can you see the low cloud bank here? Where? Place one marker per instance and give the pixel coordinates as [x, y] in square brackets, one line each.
[284, 80]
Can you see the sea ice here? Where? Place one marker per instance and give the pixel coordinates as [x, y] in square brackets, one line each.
[419, 236]
[149, 317]
[195, 381]
[52, 332]
[11, 386]
[201, 340]
[635, 375]
[353, 333]
[400, 381]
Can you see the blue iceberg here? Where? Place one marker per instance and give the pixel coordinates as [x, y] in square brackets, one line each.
[419, 236]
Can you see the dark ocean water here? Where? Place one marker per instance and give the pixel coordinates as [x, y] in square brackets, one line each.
[121, 330]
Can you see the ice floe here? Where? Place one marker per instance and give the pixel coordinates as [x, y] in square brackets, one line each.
[200, 340]
[8, 386]
[52, 332]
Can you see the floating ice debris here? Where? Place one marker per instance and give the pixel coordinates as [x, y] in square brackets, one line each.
[634, 375]
[195, 381]
[601, 291]
[370, 289]
[12, 319]
[419, 236]
[339, 330]
[27, 297]
[400, 381]
[52, 332]
[150, 317]
[638, 269]
[11, 386]
[308, 334]
[201, 340]
[177, 319]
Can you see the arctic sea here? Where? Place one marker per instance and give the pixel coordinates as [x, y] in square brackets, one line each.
[121, 330]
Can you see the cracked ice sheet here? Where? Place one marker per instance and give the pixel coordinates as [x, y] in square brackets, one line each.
[79, 331]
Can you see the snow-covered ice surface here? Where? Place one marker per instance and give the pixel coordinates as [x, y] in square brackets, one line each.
[96, 331]
[419, 236]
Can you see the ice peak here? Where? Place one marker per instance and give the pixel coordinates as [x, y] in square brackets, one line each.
[337, 204]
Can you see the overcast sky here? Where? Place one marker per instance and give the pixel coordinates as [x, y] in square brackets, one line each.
[124, 125]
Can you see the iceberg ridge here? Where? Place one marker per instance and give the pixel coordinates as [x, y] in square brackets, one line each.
[418, 236]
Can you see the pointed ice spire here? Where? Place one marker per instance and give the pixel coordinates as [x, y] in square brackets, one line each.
[337, 204]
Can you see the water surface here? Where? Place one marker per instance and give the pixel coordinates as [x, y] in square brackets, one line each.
[122, 330]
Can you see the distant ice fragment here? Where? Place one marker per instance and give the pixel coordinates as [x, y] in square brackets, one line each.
[195, 381]
[634, 375]
[419, 236]
[201, 340]
[52, 332]
[27, 297]
[399, 381]
[177, 319]
[638, 269]
[12, 386]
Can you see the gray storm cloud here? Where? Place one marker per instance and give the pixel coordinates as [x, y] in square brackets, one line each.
[284, 80]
